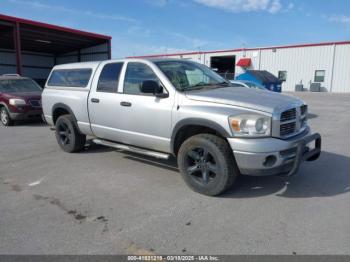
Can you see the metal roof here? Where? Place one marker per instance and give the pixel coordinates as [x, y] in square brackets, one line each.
[46, 38]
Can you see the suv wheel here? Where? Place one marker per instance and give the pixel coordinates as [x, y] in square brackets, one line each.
[207, 164]
[5, 117]
[68, 136]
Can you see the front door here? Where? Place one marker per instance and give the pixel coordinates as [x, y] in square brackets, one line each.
[146, 118]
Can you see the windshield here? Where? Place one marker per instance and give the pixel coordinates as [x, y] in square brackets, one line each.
[187, 75]
[19, 86]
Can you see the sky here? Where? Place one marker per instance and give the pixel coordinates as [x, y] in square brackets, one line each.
[142, 27]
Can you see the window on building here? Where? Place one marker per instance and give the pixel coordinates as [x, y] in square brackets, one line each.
[70, 77]
[109, 78]
[136, 74]
[282, 76]
[319, 76]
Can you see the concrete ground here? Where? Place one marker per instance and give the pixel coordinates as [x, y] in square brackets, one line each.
[102, 201]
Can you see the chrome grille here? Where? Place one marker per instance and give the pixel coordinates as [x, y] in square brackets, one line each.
[288, 122]
[35, 103]
[292, 121]
[288, 115]
[287, 129]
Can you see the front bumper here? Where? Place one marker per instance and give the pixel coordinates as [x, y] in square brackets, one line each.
[32, 114]
[273, 156]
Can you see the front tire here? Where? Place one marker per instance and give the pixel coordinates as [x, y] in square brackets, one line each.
[5, 117]
[68, 136]
[207, 164]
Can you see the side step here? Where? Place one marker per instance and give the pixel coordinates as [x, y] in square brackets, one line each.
[131, 149]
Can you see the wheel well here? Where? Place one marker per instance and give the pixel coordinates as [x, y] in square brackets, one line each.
[59, 112]
[190, 130]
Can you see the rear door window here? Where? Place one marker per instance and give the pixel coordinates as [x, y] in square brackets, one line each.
[109, 78]
[70, 77]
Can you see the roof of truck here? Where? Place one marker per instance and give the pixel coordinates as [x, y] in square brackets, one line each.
[96, 63]
[78, 65]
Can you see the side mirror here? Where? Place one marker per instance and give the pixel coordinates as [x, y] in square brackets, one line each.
[153, 87]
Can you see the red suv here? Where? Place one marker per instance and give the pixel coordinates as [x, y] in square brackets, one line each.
[20, 99]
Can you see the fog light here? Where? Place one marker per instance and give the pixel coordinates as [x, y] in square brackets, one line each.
[270, 161]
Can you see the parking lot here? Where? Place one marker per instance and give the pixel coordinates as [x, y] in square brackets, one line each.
[103, 201]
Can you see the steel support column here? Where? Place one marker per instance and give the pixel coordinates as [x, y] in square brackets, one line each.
[17, 42]
[109, 49]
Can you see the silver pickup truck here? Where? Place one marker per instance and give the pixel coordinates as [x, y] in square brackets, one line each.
[164, 107]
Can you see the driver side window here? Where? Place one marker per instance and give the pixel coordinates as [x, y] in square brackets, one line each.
[136, 74]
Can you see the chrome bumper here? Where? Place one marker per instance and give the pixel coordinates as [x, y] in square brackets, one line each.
[272, 156]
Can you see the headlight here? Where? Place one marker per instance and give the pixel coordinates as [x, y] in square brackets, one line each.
[250, 125]
[17, 102]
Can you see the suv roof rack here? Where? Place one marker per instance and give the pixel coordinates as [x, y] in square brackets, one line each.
[11, 75]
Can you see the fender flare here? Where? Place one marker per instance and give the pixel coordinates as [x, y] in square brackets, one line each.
[197, 122]
[64, 106]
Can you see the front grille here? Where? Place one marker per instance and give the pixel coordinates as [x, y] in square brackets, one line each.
[288, 115]
[293, 121]
[35, 103]
[287, 129]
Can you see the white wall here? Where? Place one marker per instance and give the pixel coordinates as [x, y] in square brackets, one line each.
[299, 62]
[341, 75]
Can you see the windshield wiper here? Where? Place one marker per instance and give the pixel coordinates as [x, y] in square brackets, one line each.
[207, 85]
[224, 83]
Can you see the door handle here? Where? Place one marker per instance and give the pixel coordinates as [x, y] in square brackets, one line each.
[95, 100]
[125, 103]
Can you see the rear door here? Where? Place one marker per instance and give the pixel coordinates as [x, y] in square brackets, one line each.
[104, 102]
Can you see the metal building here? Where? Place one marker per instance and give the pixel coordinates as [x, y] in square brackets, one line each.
[323, 64]
[31, 48]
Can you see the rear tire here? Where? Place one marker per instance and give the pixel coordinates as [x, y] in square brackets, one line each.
[68, 136]
[207, 164]
[5, 117]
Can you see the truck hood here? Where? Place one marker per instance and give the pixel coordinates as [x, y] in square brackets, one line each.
[261, 100]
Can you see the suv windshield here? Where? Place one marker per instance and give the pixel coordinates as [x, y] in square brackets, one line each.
[187, 75]
[19, 86]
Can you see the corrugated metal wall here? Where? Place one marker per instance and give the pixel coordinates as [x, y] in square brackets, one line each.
[39, 65]
[34, 65]
[299, 62]
[341, 71]
[7, 61]
[95, 53]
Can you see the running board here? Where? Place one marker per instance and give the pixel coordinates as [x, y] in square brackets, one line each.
[131, 149]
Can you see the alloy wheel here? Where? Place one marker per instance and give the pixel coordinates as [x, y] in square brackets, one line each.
[201, 166]
[65, 134]
[4, 117]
